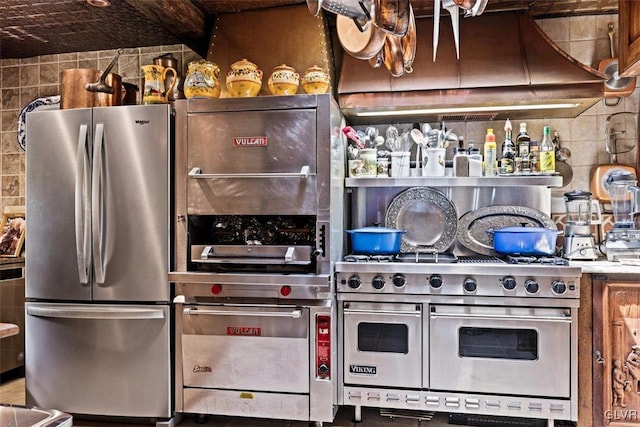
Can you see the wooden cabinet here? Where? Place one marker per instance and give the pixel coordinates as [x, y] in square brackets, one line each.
[616, 350]
[629, 37]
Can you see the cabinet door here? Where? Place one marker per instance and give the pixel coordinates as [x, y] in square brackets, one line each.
[616, 330]
[629, 37]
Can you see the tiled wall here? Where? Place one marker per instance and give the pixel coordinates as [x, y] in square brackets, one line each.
[23, 80]
[585, 38]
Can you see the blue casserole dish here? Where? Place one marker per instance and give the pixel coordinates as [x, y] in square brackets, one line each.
[376, 240]
[524, 240]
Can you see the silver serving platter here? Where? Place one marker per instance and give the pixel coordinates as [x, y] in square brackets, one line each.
[473, 226]
[428, 216]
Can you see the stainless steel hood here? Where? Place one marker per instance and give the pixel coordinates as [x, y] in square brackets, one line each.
[507, 64]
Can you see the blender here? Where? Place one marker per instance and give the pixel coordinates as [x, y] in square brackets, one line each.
[623, 241]
[578, 240]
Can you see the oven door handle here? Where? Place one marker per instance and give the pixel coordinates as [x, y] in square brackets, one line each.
[416, 313]
[197, 173]
[295, 314]
[563, 319]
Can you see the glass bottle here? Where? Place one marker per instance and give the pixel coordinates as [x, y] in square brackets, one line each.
[523, 141]
[547, 161]
[508, 151]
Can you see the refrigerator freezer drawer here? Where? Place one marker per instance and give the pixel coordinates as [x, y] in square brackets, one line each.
[110, 360]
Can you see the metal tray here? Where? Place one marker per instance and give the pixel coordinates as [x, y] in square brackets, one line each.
[473, 226]
[427, 215]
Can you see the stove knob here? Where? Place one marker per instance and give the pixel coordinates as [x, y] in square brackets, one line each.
[531, 286]
[398, 280]
[323, 369]
[470, 285]
[558, 287]
[435, 281]
[354, 282]
[378, 282]
[509, 283]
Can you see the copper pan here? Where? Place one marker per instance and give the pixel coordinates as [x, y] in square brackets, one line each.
[378, 59]
[359, 44]
[392, 16]
[615, 87]
[393, 55]
[409, 44]
[74, 95]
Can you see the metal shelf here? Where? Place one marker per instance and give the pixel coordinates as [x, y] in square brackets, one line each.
[456, 181]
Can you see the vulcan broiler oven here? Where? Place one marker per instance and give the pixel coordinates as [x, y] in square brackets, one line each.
[259, 203]
[447, 325]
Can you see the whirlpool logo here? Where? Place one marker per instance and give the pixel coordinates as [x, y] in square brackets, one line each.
[362, 370]
[142, 122]
[200, 369]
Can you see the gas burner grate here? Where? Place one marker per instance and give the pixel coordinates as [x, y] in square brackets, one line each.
[546, 260]
[475, 259]
[421, 257]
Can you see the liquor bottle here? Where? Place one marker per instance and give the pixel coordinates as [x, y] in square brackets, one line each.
[508, 151]
[522, 141]
[490, 154]
[547, 152]
[534, 156]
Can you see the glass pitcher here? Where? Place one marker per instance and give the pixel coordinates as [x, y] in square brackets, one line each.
[618, 186]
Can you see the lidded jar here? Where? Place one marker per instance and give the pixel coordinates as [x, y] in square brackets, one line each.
[244, 79]
[202, 80]
[284, 80]
[315, 80]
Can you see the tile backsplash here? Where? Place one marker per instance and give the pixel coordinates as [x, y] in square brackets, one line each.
[23, 80]
[585, 38]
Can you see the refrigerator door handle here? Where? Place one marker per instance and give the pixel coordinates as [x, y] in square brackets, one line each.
[94, 312]
[98, 205]
[82, 205]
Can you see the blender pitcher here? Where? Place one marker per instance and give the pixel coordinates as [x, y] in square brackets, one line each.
[578, 240]
[618, 186]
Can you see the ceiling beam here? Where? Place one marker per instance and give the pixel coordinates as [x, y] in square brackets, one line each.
[179, 17]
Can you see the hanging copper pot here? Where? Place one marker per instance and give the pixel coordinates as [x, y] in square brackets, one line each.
[359, 44]
[409, 44]
[392, 55]
[392, 16]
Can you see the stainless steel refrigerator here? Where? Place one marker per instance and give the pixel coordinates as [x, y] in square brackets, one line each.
[97, 260]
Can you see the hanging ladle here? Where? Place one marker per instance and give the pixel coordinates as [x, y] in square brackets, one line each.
[101, 85]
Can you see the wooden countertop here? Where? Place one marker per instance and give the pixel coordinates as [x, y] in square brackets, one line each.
[8, 329]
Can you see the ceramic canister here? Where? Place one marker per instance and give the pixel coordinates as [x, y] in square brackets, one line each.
[244, 79]
[284, 80]
[315, 80]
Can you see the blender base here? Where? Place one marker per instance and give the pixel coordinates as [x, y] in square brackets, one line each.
[580, 247]
[622, 243]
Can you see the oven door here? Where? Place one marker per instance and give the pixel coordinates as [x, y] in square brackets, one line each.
[507, 350]
[382, 344]
[257, 348]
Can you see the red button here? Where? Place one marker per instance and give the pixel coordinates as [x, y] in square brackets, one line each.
[285, 291]
[216, 289]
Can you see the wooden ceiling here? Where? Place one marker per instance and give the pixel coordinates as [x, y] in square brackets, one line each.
[36, 27]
